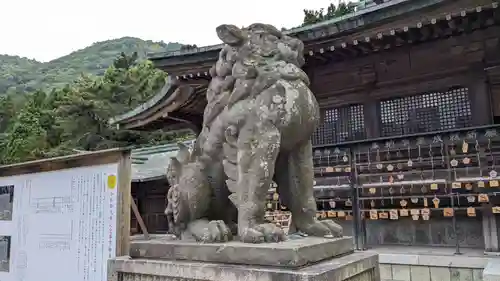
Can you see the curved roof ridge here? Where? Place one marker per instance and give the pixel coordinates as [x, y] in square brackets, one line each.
[171, 84]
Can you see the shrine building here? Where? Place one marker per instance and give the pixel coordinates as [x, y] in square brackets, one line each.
[408, 149]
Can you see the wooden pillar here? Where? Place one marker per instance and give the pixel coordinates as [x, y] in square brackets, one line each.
[372, 118]
[479, 96]
[495, 236]
[490, 232]
[493, 88]
[142, 202]
[495, 99]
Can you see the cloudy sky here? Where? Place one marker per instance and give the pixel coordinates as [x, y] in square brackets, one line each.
[47, 29]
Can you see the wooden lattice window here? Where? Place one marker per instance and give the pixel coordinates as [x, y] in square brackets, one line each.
[340, 125]
[427, 112]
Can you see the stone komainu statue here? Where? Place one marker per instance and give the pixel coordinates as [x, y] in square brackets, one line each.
[257, 127]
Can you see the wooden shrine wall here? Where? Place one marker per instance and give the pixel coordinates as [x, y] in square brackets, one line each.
[151, 200]
[408, 94]
[358, 89]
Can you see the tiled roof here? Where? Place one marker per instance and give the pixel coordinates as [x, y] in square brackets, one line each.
[351, 21]
[150, 163]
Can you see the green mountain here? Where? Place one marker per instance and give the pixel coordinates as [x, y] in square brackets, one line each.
[19, 75]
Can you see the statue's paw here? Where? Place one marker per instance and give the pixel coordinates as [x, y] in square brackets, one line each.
[324, 228]
[262, 233]
[212, 232]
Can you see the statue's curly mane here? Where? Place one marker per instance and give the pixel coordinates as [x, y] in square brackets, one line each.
[250, 53]
[254, 59]
[256, 128]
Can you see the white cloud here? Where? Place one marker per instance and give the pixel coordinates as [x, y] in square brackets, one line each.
[48, 29]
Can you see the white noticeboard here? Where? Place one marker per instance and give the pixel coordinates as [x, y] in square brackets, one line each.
[63, 223]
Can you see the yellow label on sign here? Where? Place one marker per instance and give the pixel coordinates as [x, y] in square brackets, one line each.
[112, 182]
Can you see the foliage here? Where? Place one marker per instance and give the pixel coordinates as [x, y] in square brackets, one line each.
[20, 75]
[26, 138]
[332, 11]
[63, 106]
[75, 117]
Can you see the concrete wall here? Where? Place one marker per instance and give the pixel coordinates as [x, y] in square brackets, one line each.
[401, 267]
[396, 272]
[434, 232]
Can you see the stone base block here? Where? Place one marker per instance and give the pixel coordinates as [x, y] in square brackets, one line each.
[358, 266]
[293, 253]
[492, 270]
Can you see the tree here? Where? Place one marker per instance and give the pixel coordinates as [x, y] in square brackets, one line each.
[188, 47]
[20, 75]
[75, 117]
[332, 11]
[82, 114]
[7, 111]
[124, 61]
[26, 138]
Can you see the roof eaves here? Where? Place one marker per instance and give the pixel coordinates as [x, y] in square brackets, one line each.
[166, 91]
[148, 179]
[150, 163]
[162, 55]
[357, 15]
[161, 147]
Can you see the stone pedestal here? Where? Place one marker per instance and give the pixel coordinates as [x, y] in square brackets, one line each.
[492, 270]
[301, 259]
